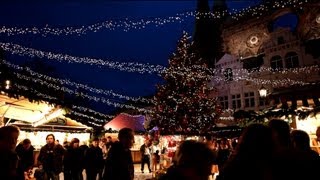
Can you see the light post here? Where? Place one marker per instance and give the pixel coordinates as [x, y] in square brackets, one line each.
[263, 92]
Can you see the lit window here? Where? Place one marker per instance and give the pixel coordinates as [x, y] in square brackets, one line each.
[276, 63]
[249, 99]
[236, 101]
[292, 60]
[224, 102]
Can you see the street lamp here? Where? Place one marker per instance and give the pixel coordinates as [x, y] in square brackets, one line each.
[263, 92]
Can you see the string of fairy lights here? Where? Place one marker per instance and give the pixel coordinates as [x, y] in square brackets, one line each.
[97, 122]
[128, 24]
[16, 49]
[83, 95]
[141, 68]
[47, 79]
[245, 76]
[77, 85]
[84, 109]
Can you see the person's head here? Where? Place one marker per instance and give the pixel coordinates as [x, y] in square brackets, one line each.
[95, 142]
[9, 137]
[195, 158]
[147, 142]
[126, 137]
[109, 139]
[50, 139]
[103, 141]
[164, 150]
[280, 132]
[65, 144]
[74, 143]
[300, 140]
[256, 139]
[26, 143]
[57, 142]
[208, 138]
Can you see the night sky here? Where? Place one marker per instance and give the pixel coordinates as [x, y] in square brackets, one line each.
[151, 45]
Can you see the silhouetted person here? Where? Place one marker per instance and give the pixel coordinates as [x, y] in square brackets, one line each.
[93, 160]
[145, 152]
[223, 152]
[73, 161]
[50, 158]
[308, 159]
[285, 163]
[252, 158]
[119, 160]
[109, 142]
[8, 157]
[25, 152]
[193, 161]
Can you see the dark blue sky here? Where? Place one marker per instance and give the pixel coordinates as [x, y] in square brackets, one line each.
[150, 45]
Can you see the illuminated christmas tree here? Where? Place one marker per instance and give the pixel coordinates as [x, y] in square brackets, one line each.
[182, 104]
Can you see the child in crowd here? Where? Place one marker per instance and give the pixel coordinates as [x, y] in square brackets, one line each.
[155, 160]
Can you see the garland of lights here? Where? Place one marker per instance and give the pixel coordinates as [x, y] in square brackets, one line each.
[276, 83]
[89, 117]
[36, 77]
[75, 107]
[109, 116]
[77, 85]
[129, 24]
[50, 97]
[258, 81]
[139, 67]
[84, 109]
[122, 66]
[70, 91]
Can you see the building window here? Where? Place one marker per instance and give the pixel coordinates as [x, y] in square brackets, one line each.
[262, 101]
[276, 63]
[224, 102]
[292, 60]
[249, 99]
[236, 101]
[280, 40]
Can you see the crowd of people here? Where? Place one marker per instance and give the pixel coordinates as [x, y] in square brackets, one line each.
[98, 160]
[262, 152]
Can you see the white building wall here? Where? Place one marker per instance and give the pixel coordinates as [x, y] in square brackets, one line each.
[270, 48]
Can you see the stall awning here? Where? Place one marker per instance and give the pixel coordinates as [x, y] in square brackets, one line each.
[22, 109]
[123, 120]
[307, 96]
[24, 113]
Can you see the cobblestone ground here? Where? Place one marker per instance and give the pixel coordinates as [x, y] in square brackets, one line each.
[137, 174]
[141, 176]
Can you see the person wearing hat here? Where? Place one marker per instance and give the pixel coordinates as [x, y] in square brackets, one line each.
[93, 160]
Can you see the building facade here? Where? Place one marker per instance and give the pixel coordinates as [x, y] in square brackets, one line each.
[282, 60]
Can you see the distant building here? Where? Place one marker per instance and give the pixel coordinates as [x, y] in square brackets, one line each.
[252, 43]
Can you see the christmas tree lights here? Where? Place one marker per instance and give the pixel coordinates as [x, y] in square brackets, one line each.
[182, 105]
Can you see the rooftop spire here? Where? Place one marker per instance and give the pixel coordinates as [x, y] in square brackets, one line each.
[219, 6]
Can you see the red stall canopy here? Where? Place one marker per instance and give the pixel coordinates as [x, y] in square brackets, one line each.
[134, 122]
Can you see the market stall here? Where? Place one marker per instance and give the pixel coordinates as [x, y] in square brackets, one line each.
[38, 119]
[134, 122]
